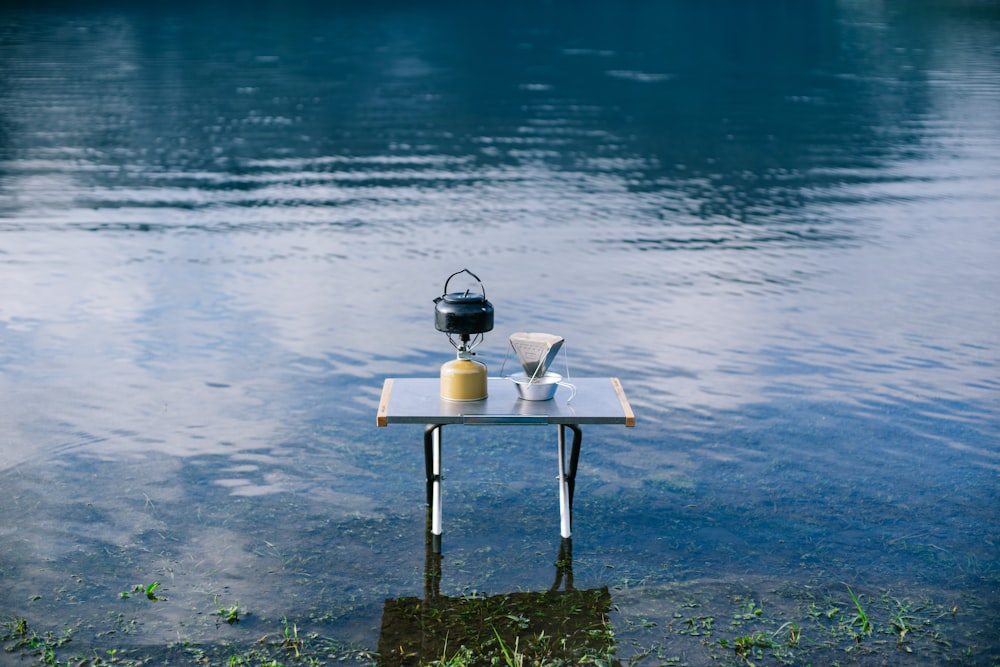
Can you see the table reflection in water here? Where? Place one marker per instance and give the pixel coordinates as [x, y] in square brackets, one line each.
[555, 625]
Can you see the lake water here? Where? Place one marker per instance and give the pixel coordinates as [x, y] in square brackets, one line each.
[222, 225]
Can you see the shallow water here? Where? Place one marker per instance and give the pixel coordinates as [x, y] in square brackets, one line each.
[222, 226]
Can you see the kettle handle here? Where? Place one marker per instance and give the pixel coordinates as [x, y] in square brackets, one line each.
[481, 286]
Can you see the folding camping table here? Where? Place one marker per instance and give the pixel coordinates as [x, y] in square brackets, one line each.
[418, 401]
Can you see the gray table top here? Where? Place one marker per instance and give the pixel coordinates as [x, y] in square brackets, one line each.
[418, 401]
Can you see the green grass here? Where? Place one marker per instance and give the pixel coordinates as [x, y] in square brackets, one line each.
[710, 625]
[860, 619]
[716, 623]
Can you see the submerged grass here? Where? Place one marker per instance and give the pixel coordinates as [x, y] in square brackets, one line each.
[547, 628]
[713, 625]
[283, 647]
[709, 625]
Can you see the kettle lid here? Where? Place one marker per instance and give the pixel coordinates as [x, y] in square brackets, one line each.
[462, 297]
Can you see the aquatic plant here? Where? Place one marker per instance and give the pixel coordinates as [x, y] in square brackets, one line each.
[149, 590]
[861, 618]
[230, 614]
[796, 625]
[43, 646]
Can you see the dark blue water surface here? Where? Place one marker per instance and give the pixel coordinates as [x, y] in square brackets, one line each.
[222, 225]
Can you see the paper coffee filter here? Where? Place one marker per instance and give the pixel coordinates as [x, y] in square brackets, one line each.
[535, 351]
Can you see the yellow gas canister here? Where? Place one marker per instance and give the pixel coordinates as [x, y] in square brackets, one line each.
[463, 379]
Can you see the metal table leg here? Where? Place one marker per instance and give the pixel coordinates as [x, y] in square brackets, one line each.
[432, 463]
[567, 478]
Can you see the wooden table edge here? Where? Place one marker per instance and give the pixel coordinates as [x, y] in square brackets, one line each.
[383, 403]
[626, 408]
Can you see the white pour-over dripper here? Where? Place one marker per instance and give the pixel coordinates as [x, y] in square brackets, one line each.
[536, 351]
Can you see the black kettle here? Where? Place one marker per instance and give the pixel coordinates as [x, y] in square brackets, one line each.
[463, 313]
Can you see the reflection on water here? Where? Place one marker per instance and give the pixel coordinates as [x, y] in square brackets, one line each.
[561, 625]
[220, 228]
